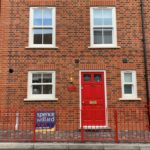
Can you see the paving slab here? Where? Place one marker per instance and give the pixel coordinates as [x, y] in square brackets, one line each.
[86, 146]
[121, 147]
[16, 146]
[50, 146]
[145, 147]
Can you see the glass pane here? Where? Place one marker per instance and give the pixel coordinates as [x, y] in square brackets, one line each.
[128, 89]
[37, 36]
[87, 77]
[107, 36]
[128, 77]
[47, 78]
[107, 17]
[47, 17]
[36, 78]
[47, 89]
[47, 34]
[98, 20]
[97, 36]
[37, 89]
[38, 17]
[97, 77]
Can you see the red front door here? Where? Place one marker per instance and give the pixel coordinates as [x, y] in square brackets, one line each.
[93, 99]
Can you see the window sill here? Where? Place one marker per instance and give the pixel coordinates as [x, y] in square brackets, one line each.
[130, 99]
[41, 48]
[39, 99]
[104, 47]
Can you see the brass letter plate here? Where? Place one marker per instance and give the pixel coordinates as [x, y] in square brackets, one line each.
[93, 102]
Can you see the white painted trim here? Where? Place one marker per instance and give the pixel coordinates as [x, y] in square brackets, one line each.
[132, 96]
[114, 26]
[38, 97]
[130, 99]
[96, 127]
[105, 88]
[108, 47]
[30, 43]
[42, 47]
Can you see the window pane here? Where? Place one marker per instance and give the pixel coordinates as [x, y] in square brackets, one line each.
[47, 17]
[98, 17]
[37, 36]
[107, 17]
[47, 89]
[97, 77]
[47, 78]
[97, 36]
[47, 35]
[37, 17]
[128, 89]
[128, 77]
[107, 36]
[87, 77]
[37, 89]
[36, 78]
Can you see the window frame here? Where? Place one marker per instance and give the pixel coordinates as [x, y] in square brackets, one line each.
[41, 96]
[31, 26]
[134, 85]
[114, 31]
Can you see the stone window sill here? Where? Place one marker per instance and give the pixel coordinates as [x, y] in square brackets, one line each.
[130, 99]
[33, 100]
[40, 48]
[113, 47]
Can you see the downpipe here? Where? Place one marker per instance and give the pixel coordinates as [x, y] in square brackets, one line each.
[145, 58]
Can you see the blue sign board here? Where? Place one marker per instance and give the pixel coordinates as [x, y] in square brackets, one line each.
[45, 120]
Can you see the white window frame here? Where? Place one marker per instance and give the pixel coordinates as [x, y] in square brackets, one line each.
[134, 85]
[41, 96]
[114, 26]
[31, 26]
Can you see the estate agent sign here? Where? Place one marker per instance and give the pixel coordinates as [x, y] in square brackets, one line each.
[45, 120]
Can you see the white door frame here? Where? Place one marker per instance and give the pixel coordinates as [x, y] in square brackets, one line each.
[80, 98]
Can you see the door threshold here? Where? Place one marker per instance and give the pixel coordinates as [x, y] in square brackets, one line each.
[96, 127]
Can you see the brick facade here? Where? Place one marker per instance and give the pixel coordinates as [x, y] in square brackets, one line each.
[73, 41]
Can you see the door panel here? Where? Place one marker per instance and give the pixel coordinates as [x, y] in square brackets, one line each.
[93, 99]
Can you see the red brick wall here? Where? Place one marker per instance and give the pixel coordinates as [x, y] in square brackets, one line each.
[4, 34]
[147, 31]
[73, 40]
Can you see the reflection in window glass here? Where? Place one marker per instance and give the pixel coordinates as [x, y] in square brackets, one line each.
[47, 89]
[37, 89]
[107, 36]
[98, 36]
[47, 78]
[128, 77]
[38, 17]
[47, 17]
[97, 77]
[37, 36]
[128, 89]
[87, 77]
[36, 78]
[47, 36]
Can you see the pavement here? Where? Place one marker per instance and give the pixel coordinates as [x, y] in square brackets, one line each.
[72, 146]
